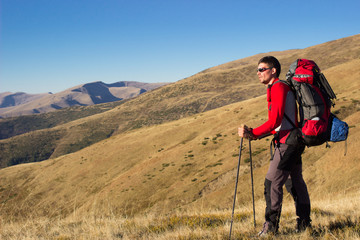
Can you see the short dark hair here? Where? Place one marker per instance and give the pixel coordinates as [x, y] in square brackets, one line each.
[272, 62]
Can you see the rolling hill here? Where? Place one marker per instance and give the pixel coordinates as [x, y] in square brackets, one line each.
[8, 99]
[175, 149]
[17, 104]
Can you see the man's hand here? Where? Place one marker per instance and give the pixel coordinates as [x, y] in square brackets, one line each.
[245, 132]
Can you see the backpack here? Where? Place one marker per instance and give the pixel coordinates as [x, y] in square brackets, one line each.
[315, 99]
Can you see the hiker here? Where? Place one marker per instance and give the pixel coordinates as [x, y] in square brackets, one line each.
[285, 165]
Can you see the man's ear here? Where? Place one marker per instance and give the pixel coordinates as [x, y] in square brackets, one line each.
[273, 71]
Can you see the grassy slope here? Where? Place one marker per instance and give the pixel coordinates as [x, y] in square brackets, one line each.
[190, 96]
[184, 165]
[10, 127]
[210, 89]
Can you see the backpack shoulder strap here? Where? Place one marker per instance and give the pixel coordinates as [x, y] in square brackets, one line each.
[289, 120]
[292, 89]
[284, 82]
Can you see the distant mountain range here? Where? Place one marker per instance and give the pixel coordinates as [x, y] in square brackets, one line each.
[20, 103]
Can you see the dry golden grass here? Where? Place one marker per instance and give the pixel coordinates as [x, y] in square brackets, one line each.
[331, 219]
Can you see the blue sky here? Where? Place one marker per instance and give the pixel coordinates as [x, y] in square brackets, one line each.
[52, 45]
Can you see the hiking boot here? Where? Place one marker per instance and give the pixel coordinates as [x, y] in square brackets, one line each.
[302, 224]
[268, 228]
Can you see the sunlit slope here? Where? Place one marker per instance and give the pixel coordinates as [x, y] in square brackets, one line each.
[185, 164]
[326, 55]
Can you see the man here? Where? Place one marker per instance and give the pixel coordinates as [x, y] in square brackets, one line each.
[286, 161]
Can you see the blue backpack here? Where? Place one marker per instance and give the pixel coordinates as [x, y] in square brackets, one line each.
[338, 130]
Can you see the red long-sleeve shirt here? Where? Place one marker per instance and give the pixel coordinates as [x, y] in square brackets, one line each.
[280, 100]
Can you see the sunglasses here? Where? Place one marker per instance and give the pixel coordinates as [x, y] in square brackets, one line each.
[262, 69]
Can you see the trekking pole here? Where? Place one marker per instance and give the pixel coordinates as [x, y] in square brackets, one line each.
[236, 183]
[252, 182]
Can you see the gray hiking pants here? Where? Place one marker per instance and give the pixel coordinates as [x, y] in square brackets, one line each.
[285, 169]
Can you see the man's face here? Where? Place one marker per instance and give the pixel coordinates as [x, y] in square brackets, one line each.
[266, 75]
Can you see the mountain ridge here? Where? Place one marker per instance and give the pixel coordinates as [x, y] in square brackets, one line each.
[17, 104]
[9, 99]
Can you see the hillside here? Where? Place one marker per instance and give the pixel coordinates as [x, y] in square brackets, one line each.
[10, 127]
[8, 99]
[17, 104]
[210, 89]
[179, 165]
[181, 172]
